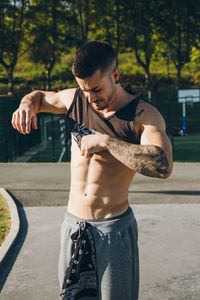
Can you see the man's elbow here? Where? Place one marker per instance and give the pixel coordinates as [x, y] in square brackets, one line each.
[167, 172]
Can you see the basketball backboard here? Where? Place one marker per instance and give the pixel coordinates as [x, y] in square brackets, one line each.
[192, 95]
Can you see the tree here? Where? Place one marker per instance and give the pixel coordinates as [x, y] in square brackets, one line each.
[139, 32]
[12, 14]
[47, 33]
[79, 14]
[107, 22]
[82, 8]
[176, 27]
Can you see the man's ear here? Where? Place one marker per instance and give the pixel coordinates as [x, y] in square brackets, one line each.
[116, 76]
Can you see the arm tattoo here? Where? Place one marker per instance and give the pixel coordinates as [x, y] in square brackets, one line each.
[139, 113]
[149, 160]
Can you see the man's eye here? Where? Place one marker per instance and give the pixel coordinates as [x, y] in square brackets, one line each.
[96, 91]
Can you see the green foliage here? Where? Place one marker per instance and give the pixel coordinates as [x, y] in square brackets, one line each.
[11, 35]
[47, 36]
[4, 219]
[45, 32]
[141, 32]
[176, 27]
[197, 78]
[186, 145]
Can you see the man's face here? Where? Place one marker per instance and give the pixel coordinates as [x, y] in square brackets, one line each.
[99, 89]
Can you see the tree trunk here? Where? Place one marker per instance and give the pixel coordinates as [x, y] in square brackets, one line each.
[10, 80]
[148, 77]
[145, 66]
[148, 80]
[118, 30]
[48, 78]
[81, 23]
[86, 9]
[49, 69]
[179, 69]
[179, 44]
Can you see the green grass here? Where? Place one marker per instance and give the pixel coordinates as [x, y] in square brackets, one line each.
[48, 155]
[187, 148]
[5, 221]
[31, 76]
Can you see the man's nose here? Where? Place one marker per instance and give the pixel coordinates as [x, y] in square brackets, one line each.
[91, 97]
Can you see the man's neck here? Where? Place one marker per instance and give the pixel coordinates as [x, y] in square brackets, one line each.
[120, 99]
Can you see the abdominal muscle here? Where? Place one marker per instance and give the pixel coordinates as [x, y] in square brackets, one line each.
[99, 185]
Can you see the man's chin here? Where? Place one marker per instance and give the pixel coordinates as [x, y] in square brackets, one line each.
[99, 106]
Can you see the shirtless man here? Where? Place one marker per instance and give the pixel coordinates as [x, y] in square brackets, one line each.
[126, 135]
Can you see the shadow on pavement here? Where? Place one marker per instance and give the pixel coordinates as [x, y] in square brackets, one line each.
[168, 192]
[13, 252]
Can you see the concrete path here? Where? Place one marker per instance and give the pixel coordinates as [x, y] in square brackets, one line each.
[169, 244]
[44, 184]
[169, 227]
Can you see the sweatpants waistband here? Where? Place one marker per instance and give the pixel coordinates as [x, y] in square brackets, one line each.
[105, 225]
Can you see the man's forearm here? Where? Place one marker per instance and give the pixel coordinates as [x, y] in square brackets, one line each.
[148, 160]
[33, 99]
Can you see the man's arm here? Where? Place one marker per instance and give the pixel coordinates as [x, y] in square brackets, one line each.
[153, 157]
[148, 160]
[40, 101]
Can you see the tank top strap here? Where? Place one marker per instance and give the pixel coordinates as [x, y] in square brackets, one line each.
[76, 94]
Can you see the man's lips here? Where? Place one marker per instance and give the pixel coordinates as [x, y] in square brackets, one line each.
[97, 101]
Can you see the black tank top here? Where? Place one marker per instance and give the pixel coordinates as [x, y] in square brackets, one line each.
[121, 124]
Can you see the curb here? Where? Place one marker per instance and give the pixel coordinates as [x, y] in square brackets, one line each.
[14, 229]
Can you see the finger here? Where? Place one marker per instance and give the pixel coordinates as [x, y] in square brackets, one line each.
[34, 122]
[22, 118]
[82, 147]
[82, 150]
[28, 121]
[13, 121]
[88, 153]
[17, 122]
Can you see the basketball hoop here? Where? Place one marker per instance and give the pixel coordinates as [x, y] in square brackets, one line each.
[187, 97]
[189, 100]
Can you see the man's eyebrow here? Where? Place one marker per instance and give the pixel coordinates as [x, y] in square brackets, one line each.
[93, 89]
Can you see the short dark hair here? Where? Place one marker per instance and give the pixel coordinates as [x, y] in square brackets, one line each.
[92, 56]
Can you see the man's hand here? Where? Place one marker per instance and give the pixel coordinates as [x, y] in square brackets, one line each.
[24, 117]
[93, 143]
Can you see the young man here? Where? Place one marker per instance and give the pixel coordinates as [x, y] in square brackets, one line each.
[115, 135]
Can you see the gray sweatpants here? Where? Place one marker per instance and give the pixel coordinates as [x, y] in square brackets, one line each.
[116, 254]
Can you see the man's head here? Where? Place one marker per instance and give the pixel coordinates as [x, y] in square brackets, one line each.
[95, 71]
[94, 56]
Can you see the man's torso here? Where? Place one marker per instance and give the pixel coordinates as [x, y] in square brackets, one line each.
[99, 185]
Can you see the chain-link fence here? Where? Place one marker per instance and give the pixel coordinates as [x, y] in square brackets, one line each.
[51, 142]
[13, 144]
[167, 103]
[44, 144]
[55, 139]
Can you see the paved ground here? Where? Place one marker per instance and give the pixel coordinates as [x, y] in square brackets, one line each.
[169, 253]
[169, 237]
[44, 184]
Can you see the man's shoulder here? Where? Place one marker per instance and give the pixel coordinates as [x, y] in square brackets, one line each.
[146, 113]
[66, 96]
